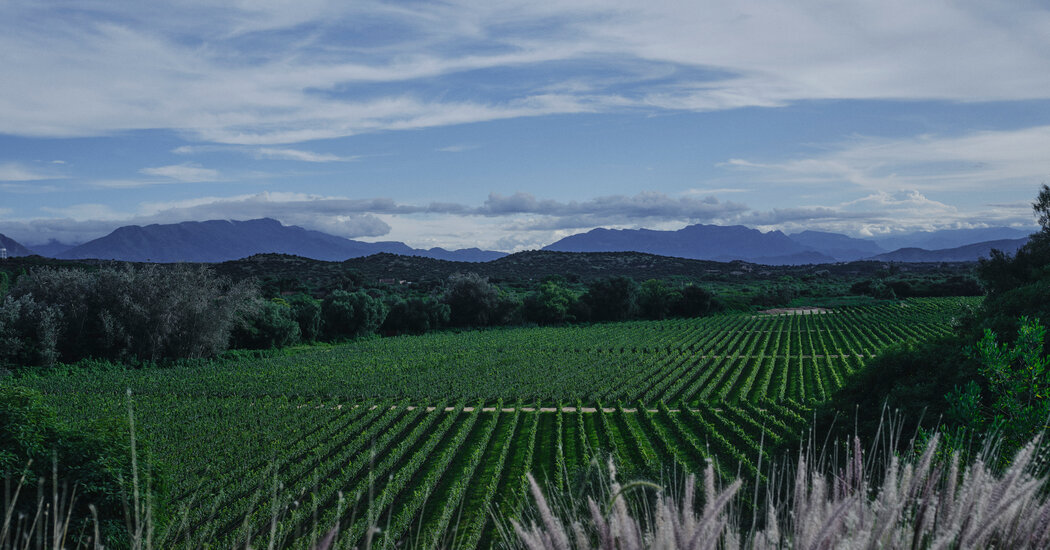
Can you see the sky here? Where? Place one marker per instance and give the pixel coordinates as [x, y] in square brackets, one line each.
[507, 125]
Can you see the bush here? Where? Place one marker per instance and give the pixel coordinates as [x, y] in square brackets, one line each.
[149, 313]
[614, 299]
[95, 459]
[551, 304]
[307, 313]
[271, 326]
[415, 316]
[694, 301]
[472, 300]
[351, 315]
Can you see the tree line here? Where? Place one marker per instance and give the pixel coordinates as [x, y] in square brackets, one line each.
[154, 313]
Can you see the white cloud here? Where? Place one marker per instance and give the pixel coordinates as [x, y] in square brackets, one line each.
[457, 148]
[265, 153]
[188, 173]
[15, 171]
[304, 156]
[218, 73]
[1009, 158]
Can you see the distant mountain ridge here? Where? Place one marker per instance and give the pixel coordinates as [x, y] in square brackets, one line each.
[13, 247]
[967, 253]
[696, 242]
[727, 243]
[221, 240]
[950, 238]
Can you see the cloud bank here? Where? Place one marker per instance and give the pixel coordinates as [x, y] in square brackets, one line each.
[265, 73]
[521, 220]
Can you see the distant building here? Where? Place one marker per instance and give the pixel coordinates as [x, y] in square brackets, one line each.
[3, 253]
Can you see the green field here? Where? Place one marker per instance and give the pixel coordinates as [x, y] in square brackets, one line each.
[424, 435]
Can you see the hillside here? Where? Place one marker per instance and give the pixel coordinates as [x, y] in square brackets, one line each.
[224, 240]
[13, 247]
[697, 242]
[968, 253]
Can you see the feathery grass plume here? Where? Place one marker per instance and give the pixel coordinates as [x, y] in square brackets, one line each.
[919, 503]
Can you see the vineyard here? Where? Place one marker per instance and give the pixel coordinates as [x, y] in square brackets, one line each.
[425, 435]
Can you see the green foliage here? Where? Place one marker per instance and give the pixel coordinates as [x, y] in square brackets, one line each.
[909, 381]
[307, 313]
[94, 457]
[695, 301]
[415, 316]
[350, 315]
[877, 288]
[552, 303]
[614, 299]
[656, 299]
[147, 314]
[1042, 208]
[1017, 378]
[271, 325]
[473, 300]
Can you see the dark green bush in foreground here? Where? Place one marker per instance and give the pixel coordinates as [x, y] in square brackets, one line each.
[94, 461]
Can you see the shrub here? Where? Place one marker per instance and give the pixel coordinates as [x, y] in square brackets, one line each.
[347, 314]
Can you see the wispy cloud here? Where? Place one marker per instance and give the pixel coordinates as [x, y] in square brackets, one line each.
[16, 171]
[266, 153]
[1008, 158]
[216, 72]
[187, 173]
[457, 148]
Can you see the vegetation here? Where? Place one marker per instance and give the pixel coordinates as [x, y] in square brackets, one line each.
[664, 366]
[916, 505]
[441, 427]
[988, 377]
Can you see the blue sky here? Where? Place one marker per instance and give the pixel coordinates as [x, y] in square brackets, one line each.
[508, 125]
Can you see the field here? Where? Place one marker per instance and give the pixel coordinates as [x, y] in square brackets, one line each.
[425, 435]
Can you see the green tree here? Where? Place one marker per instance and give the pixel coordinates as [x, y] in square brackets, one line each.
[1042, 208]
[415, 316]
[655, 299]
[472, 299]
[695, 301]
[347, 314]
[307, 313]
[271, 326]
[1017, 378]
[614, 299]
[550, 304]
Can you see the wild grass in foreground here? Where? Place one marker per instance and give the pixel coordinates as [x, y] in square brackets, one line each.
[924, 502]
[927, 503]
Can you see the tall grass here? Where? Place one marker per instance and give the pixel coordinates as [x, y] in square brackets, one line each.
[924, 502]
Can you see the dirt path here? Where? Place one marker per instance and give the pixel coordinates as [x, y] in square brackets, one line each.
[795, 311]
[524, 409]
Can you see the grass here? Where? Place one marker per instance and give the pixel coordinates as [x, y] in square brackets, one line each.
[923, 502]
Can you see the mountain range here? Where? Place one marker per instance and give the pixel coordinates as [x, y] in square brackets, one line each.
[13, 248]
[722, 243]
[222, 240]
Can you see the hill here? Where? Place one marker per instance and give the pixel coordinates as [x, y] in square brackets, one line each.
[13, 248]
[697, 242]
[968, 253]
[951, 238]
[841, 247]
[224, 240]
